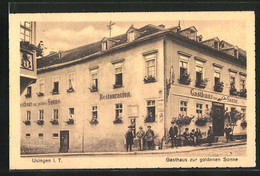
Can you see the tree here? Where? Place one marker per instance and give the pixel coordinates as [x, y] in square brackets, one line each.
[40, 49]
[232, 117]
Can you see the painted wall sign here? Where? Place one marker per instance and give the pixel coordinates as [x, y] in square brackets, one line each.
[133, 110]
[26, 61]
[48, 102]
[201, 94]
[115, 96]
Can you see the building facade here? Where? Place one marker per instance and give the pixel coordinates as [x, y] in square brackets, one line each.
[85, 98]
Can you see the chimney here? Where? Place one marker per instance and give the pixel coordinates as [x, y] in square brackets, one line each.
[162, 25]
[60, 54]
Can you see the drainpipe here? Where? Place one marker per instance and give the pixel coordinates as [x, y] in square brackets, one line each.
[164, 83]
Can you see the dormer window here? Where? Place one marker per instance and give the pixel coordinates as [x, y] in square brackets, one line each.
[104, 45]
[131, 36]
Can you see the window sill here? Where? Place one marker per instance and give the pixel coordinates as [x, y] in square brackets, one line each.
[40, 94]
[28, 96]
[185, 82]
[93, 90]
[55, 93]
[117, 86]
[147, 82]
[70, 90]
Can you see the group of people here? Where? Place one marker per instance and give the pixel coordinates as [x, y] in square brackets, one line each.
[192, 138]
[143, 138]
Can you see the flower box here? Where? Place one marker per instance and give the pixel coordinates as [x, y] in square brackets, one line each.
[149, 119]
[117, 121]
[40, 122]
[149, 79]
[93, 122]
[40, 94]
[93, 89]
[70, 122]
[28, 96]
[233, 91]
[54, 122]
[27, 122]
[70, 90]
[182, 120]
[117, 86]
[243, 93]
[185, 79]
[202, 83]
[219, 87]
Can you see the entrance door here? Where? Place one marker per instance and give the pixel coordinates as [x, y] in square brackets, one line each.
[218, 118]
[64, 141]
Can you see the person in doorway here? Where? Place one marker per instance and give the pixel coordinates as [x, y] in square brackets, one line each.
[228, 131]
[210, 136]
[173, 135]
[149, 137]
[192, 137]
[198, 136]
[140, 135]
[129, 139]
[186, 136]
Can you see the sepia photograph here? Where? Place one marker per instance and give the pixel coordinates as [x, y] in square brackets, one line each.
[119, 91]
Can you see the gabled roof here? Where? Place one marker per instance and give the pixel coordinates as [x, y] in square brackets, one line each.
[190, 28]
[215, 38]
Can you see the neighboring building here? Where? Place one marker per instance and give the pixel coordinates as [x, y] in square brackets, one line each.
[85, 98]
[28, 67]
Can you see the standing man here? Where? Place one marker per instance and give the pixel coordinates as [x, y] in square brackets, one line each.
[149, 137]
[140, 134]
[227, 130]
[210, 136]
[173, 134]
[129, 139]
[198, 136]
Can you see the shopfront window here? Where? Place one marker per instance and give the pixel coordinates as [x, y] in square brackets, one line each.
[151, 110]
[199, 109]
[183, 107]
[41, 114]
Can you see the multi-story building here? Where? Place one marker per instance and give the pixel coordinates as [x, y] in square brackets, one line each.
[28, 67]
[85, 98]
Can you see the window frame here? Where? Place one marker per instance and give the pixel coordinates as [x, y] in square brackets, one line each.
[187, 102]
[55, 115]
[183, 59]
[57, 77]
[71, 75]
[118, 109]
[242, 77]
[41, 114]
[28, 115]
[41, 82]
[118, 66]
[73, 114]
[149, 57]
[152, 105]
[24, 29]
[92, 73]
[94, 109]
[199, 64]
[217, 70]
[199, 115]
[232, 75]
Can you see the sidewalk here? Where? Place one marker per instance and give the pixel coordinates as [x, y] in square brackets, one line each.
[163, 151]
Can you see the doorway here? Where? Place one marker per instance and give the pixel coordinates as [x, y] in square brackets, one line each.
[218, 118]
[64, 141]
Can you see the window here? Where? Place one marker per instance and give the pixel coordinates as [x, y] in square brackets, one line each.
[25, 31]
[131, 36]
[41, 114]
[71, 113]
[41, 85]
[242, 82]
[119, 110]
[183, 68]
[232, 79]
[94, 113]
[118, 75]
[29, 92]
[94, 80]
[27, 135]
[216, 75]
[151, 110]
[40, 135]
[28, 115]
[150, 61]
[55, 80]
[55, 114]
[183, 107]
[199, 72]
[55, 135]
[199, 109]
[71, 81]
[243, 110]
[104, 45]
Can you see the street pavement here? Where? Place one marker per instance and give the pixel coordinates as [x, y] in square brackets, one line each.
[214, 150]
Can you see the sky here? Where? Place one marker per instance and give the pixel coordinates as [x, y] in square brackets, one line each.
[68, 35]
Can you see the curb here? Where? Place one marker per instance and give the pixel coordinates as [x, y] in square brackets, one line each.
[131, 153]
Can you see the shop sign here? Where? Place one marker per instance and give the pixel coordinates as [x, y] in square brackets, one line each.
[133, 110]
[115, 96]
[201, 94]
[48, 102]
